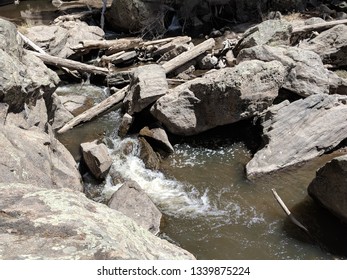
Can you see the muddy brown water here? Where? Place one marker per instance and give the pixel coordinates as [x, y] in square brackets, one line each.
[210, 208]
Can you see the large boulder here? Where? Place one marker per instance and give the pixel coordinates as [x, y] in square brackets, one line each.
[147, 85]
[270, 32]
[23, 77]
[329, 187]
[59, 40]
[220, 97]
[158, 138]
[306, 72]
[134, 203]
[42, 223]
[300, 131]
[331, 45]
[34, 157]
[136, 15]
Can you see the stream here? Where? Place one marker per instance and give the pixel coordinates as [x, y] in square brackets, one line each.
[210, 208]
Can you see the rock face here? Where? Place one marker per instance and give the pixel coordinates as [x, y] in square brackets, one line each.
[41, 223]
[220, 97]
[270, 32]
[34, 157]
[306, 72]
[23, 77]
[147, 85]
[329, 187]
[136, 15]
[300, 131]
[134, 203]
[331, 45]
[97, 158]
[58, 39]
[158, 137]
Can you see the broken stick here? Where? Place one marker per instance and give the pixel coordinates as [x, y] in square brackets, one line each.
[318, 26]
[289, 214]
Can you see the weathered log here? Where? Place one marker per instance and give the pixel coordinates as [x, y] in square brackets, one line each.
[118, 78]
[171, 45]
[112, 46]
[157, 42]
[120, 58]
[96, 110]
[70, 64]
[318, 26]
[73, 17]
[188, 55]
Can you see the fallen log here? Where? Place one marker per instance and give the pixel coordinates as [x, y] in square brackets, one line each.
[70, 64]
[172, 45]
[318, 26]
[31, 43]
[78, 16]
[188, 55]
[96, 110]
[119, 58]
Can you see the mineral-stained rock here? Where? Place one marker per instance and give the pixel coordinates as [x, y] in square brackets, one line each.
[147, 85]
[306, 72]
[329, 187]
[134, 203]
[220, 97]
[300, 131]
[41, 223]
[97, 158]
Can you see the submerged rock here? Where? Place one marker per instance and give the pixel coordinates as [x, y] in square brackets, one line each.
[300, 131]
[306, 74]
[41, 223]
[329, 187]
[134, 203]
[220, 97]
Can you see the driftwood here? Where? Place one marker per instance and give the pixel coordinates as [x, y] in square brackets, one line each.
[288, 213]
[119, 78]
[172, 45]
[118, 57]
[96, 110]
[73, 17]
[31, 43]
[318, 26]
[71, 64]
[112, 100]
[188, 55]
[111, 46]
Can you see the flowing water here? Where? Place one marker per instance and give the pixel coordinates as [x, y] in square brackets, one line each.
[209, 206]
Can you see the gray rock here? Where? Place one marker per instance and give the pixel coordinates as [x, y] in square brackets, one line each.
[23, 78]
[125, 124]
[300, 131]
[207, 62]
[42, 223]
[330, 45]
[34, 157]
[220, 97]
[97, 158]
[59, 114]
[148, 155]
[58, 40]
[329, 187]
[147, 85]
[136, 15]
[270, 32]
[158, 137]
[306, 74]
[134, 203]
